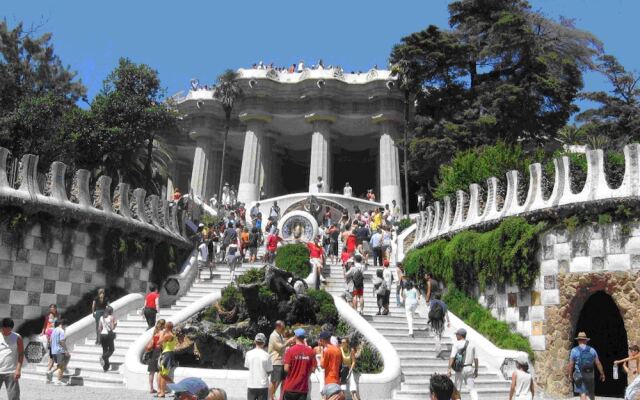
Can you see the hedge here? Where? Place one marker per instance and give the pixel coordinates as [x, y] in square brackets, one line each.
[503, 255]
[295, 259]
[478, 317]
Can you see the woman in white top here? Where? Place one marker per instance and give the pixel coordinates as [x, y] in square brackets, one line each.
[521, 381]
[410, 297]
[107, 326]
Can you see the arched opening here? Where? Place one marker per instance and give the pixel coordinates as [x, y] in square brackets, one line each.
[601, 320]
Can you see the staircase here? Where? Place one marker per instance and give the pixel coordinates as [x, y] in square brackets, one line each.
[84, 367]
[418, 356]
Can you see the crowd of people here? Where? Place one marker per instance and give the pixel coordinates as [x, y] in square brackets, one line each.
[301, 66]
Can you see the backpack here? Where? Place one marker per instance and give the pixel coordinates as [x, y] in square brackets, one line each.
[358, 278]
[436, 312]
[458, 359]
[586, 360]
[382, 288]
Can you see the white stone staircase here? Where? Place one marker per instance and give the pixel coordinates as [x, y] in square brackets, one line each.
[418, 357]
[84, 367]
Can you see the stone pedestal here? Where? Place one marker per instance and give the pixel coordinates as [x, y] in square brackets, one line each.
[389, 172]
[320, 164]
[252, 158]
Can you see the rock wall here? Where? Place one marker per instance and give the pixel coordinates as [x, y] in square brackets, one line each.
[54, 264]
[574, 264]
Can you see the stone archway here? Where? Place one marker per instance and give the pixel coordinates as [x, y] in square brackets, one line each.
[561, 320]
[601, 320]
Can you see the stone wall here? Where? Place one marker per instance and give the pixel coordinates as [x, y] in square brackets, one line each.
[573, 265]
[57, 265]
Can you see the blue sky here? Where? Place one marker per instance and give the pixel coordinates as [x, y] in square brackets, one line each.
[199, 39]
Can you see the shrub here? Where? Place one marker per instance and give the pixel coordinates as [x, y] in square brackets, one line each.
[480, 319]
[404, 224]
[295, 259]
[369, 361]
[231, 297]
[326, 308]
[254, 275]
[505, 254]
[477, 165]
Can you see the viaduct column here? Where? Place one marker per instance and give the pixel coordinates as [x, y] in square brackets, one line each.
[320, 151]
[389, 168]
[252, 157]
[206, 167]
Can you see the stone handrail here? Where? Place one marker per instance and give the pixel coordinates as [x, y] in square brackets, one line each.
[141, 214]
[440, 219]
[373, 386]
[80, 330]
[180, 282]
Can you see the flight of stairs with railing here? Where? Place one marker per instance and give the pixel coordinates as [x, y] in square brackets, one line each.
[84, 367]
[418, 356]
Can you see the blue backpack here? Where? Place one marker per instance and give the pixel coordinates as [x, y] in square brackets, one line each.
[586, 360]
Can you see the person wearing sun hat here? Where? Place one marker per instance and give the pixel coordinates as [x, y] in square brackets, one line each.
[195, 389]
[582, 361]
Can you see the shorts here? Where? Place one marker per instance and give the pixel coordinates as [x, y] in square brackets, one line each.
[277, 375]
[253, 251]
[294, 396]
[357, 292]
[61, 358]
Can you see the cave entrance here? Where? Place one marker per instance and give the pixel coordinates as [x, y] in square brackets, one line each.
[600, 319]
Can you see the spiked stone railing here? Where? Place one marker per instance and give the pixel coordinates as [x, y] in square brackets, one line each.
[145, 216]
[436, 222]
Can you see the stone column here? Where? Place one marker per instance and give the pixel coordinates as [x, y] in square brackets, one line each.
[389, 172]
[266, 166]
[206, 168]
[320, 164]
[249, 186]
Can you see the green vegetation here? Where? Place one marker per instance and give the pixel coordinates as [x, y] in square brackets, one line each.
[254, 275]
[404, 224]
[477, 165]
[231, 297]
[295, 259]
[326, 312]
[480, 319]
[505, 254]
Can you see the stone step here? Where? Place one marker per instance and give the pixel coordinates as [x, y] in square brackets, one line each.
[88, 368]
[86, 349]
[91, 357]
[76, 380]
[482, 394]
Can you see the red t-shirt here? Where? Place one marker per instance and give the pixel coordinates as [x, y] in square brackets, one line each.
[331, 362]
[272, 242]
[351, 243]
[315, 251]
[345, 256]
[150, 301]
[302, 362]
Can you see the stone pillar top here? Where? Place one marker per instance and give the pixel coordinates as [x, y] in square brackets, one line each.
[255, 116]
[313, 117]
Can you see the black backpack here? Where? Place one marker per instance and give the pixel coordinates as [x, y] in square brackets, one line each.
[436, 313]
[358, 278]
[458, 359]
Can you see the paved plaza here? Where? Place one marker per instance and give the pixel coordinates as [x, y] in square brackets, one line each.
[34, 390]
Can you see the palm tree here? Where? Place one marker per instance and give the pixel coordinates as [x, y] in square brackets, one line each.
[407, 83]
[227, 91]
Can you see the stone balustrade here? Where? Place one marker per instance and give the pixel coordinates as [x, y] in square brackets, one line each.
[441, 220]
[143, 214]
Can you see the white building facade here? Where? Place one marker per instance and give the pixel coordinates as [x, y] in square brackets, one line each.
[290, 129]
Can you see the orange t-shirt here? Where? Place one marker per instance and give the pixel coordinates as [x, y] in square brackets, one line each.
[331, 362]
[245, 237]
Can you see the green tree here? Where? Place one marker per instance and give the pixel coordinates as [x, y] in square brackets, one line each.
[128, 114]
[36, 91]
[502, 72]
[227, 91]
[618, 114]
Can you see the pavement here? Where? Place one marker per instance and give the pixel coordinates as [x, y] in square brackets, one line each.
[34, 390]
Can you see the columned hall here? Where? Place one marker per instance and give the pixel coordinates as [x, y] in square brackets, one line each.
[302, 132]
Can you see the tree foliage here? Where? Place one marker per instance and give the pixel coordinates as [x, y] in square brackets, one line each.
[36, 93]
[617, 117]
[502, 72]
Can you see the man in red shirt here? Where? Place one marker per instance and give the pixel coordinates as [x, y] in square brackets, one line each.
[331, 359]
[272, 245]
[299, 363]
[316, 256]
